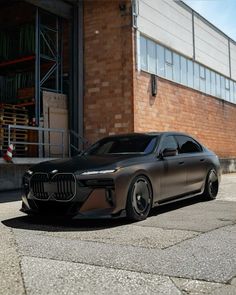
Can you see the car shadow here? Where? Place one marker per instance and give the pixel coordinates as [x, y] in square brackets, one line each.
[175, 205]
[67, 225]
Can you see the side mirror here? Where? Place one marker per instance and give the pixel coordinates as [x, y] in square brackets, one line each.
[168, 152]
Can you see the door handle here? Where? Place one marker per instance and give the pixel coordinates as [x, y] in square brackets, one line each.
[181, 163]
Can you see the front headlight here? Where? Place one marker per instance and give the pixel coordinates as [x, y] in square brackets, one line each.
[98, 172]
[28, 172]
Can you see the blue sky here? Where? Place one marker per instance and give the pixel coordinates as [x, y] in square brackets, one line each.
[222, 13]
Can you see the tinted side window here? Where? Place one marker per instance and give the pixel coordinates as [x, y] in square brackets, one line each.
[169, 142]
[187, 145]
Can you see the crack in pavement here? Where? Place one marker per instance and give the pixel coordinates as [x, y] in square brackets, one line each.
[19, 259]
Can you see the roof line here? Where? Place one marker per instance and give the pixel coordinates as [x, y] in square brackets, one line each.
[185, 5]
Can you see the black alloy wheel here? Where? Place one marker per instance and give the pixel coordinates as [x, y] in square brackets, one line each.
[139, 200]
[211, 186]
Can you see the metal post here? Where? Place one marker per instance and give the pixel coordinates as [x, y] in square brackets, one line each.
[9, 135]
[57, 55]
[63, 149]
[61, 57]
[37, 68]
[80, 64]
[69, 144]
[76, 75]
[230, 67]
[193, 32]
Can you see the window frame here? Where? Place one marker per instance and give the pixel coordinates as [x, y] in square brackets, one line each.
[141, 53]
[163, 139]
[194, 140]
[152, 68]
[160, 64]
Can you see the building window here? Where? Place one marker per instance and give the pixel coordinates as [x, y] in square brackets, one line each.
[234, 92]
[227, 84]
[151, 60]
[162, 61]
[208, 81]
[222, 87]
[190, 73]
[168, 56]
[213, 83]
[143, 53]
[202, 72]
[168, 64]
[218, 92]
[183, 70]
[231, 96]
[196, 82]
[202, 79]
[227, 89]
[176, 67]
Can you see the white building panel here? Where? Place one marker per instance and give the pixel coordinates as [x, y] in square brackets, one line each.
[167, 22]
[211, 47]
[233, 59]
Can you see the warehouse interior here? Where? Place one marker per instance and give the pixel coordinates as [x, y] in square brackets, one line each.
[37, 62]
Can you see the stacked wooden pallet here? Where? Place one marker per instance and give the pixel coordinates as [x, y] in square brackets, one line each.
[13, 115]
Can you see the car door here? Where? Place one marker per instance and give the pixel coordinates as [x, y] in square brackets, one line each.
[173, 177]
[195, 162]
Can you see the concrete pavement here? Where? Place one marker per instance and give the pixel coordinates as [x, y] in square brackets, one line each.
[183, 248]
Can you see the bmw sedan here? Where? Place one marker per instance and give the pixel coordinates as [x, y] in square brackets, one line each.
[123, 175]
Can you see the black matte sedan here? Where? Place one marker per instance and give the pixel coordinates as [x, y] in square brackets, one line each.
[124, 175]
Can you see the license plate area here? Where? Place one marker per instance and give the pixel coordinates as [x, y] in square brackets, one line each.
[50, 187]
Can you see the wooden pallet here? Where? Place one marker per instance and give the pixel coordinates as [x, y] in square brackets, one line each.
[14, 122]
[3, 131]
[9, 115]
[12, 109]
[20, 137]
[13, 115]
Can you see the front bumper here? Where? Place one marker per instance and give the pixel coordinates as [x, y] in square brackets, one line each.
[92, 199]
[70, 211]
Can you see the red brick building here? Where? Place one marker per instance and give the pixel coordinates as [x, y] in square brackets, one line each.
[118, 96]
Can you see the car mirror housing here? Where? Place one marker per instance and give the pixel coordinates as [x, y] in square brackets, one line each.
[169, 152]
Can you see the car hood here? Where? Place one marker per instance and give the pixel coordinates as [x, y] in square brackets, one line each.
[83, 163]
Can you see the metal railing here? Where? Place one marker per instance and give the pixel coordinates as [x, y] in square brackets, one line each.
[38, 143]
[82, 142]
[69, 139]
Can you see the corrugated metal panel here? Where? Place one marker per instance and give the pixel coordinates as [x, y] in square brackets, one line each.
[233, 59]
[211, 47]
[171, 23]
[168, 23]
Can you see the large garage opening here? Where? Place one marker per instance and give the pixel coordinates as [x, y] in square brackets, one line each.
[39, 102]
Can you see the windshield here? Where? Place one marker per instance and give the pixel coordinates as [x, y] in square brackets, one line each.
[141, 144]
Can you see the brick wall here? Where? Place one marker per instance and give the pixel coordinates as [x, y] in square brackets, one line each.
[179, 108]
[108, 99]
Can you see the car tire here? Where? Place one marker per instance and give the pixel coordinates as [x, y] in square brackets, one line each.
[139, 200]
[211, 185]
